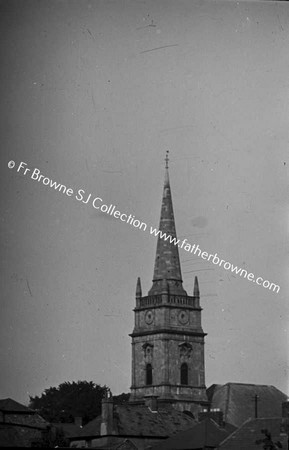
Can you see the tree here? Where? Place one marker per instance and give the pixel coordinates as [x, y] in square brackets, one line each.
[267, 441]
[121, 398]
[70, 400]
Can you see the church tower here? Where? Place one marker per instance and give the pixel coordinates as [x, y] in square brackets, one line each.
[168, 339]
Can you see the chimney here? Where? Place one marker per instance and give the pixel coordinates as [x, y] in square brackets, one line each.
[215, 413]
[106, 426]
[151, 401]
[78, 421]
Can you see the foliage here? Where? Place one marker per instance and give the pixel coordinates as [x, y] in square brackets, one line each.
[121, 398]
[268, 442]
[70, 400]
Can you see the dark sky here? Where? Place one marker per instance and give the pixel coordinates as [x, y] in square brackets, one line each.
[92, 94]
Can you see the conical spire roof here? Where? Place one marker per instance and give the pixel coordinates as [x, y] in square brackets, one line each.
[167, 261]
[196, 288]
[138, 288]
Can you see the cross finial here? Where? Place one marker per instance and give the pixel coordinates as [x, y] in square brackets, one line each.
[167, 159]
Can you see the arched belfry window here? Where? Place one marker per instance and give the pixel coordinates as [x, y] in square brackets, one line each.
[184, 374]
[149, 374]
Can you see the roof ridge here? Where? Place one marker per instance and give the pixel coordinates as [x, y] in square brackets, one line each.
[9, 404]
[215, 423]
[234, 432]
[250, 384]
[266, 418]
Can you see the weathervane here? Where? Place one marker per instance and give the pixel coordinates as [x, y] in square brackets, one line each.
[167, 159]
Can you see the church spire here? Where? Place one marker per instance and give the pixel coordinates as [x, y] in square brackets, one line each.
[168, 339]
[167, 262]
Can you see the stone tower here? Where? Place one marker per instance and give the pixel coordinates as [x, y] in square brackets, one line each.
[168, 339]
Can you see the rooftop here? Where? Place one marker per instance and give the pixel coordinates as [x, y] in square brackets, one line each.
[247, 436]
[8, 405]
[205, 434]
[237, 401]
[139, 420]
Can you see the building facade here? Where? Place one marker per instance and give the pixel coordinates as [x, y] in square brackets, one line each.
[168, 339]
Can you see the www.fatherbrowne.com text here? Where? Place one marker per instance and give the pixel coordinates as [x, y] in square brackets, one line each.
[97, 203]
[195, 249]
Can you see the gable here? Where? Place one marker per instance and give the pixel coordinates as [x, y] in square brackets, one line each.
[8, 405]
